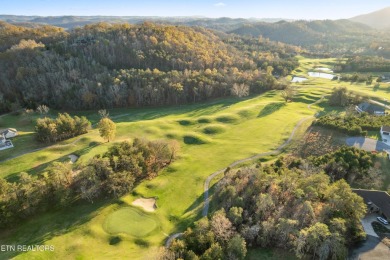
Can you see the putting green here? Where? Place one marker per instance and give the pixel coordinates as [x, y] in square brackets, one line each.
[130, 221]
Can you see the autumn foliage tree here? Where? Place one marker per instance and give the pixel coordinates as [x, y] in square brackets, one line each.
[107, 129]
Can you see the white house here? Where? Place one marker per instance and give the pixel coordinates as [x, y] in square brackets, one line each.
[2, 139]
[385, 134]
[9, 133]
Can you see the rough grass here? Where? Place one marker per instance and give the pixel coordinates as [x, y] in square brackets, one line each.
[130, 221]
[214, 129]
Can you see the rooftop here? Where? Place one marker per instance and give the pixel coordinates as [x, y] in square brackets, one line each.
[368, 107]
[379, 198]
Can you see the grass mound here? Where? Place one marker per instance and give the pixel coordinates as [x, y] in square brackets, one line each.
[130, 221]
[185, 122]
[204, 120]
[214, 129]
[152, 130]
[173, 135]
[228, 119]
[194, 139]
[247, 113]
[270, 108]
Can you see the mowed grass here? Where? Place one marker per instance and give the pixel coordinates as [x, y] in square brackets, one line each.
[377, 91]
[130, 221]
[179, 187]
[212, 136]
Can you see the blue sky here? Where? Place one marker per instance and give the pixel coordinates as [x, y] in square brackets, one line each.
[295, 9]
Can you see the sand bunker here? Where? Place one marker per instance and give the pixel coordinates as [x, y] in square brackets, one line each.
[73, 158]
[148, 205]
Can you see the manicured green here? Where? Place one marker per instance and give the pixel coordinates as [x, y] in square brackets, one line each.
[130, 221]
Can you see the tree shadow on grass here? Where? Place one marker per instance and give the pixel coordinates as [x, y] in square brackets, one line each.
[14, 177]
[40, 229]
[270, 109]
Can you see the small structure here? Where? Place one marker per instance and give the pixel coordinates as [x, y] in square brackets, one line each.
[385, 134]
[376, 201]
[2, 139]
[4, 143]
[9, 133]
[370, 108]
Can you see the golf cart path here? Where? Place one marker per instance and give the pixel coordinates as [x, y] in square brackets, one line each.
[257, 156]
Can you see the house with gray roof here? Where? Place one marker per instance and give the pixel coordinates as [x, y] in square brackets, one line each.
[370, 108]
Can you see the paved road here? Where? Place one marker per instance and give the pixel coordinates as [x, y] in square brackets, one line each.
[367, 144]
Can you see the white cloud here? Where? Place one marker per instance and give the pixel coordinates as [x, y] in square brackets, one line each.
[220, 4]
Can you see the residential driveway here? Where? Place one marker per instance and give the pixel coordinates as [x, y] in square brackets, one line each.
[371, 249]
[366, 222]
[367, 144]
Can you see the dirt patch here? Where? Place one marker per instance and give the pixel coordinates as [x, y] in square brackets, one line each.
[73, 158]
[318, 141]
[148, 205]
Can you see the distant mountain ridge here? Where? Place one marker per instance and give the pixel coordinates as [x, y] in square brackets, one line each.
[307, 33]
[69, 22]
[379, 19]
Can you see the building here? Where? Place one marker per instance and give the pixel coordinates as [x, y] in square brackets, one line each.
[2, 139]
[9, 133]
[385, 134]
[370, 108]
[376, 201]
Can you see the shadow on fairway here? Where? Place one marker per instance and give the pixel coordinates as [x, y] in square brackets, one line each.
[37, 230]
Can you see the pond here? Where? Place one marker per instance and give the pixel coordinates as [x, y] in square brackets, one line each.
[298, 79]
[321, 75]
[324, 69]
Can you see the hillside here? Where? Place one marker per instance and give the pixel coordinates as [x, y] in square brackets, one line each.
[121, 65]
[320, 34]
[12, 34]
[70, 22]
[378, 19]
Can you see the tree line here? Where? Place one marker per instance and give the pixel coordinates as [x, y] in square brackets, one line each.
[121, 65]
[109, 175]
[353, 123]
[50, 130]
[281, 205]
[365, 63]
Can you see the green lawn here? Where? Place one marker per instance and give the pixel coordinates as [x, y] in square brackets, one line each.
[130, 221]
[236, 129]
[212, 136]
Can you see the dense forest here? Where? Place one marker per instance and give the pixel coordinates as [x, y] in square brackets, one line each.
[282, 205]
[323, 36]
[365, 64]
[104, 66]
[110, 175]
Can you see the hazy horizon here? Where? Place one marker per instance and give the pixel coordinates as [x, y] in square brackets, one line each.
[300, 9]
